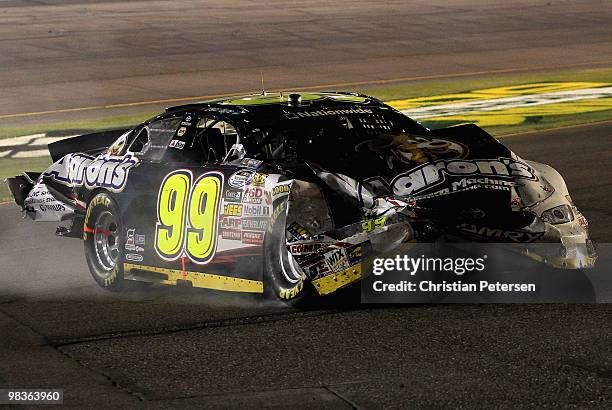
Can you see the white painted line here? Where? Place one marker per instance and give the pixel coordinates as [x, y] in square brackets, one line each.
[496, 104]
[31, 140]
[49, 140]
[31, 154]
[20, 140]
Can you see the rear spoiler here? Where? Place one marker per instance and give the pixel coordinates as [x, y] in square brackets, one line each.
[87, 143]
[20, 186]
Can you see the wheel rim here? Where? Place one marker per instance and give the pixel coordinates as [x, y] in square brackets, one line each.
[106, 244]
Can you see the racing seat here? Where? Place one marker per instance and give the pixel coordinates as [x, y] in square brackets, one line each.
[213, 145]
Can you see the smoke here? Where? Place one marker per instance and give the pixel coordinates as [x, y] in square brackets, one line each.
[35, 265]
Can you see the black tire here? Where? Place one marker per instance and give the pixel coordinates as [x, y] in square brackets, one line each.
[283, 278]
[103, 239]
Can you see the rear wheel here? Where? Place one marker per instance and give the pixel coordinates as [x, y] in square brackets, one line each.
[102, 238]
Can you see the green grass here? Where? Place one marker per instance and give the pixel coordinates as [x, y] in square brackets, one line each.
[79, 126]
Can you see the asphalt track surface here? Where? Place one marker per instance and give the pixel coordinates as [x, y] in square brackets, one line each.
[171, 348]
[64, 55]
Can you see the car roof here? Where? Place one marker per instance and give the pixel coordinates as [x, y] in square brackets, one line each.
[272, 102]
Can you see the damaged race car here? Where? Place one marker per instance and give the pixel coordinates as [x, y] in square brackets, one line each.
[289, 195]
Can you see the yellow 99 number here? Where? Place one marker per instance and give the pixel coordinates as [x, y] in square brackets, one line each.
[187, 216]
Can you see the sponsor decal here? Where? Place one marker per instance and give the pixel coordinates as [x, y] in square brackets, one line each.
[256, 195]
[254, 238]
[40, 198]
[470, 184]
[324, 112]
[181, 131]
[231, 223]
[255, 210]
[498, 234]
[281, 190]
[177, 144]
[337, 260]
[259, 179]
[133, 257]
[104, 171]
[256, 224]
[250, 162]
[129, 237]
[240, 178]
[253, 195]
[414, 149]
[298, 232]
[231, 234]
[58, 207]
[306, 248]
[133, 241]
[232, 210]
[354, 254]
[319, 268]
[429, 175]
[232, 195]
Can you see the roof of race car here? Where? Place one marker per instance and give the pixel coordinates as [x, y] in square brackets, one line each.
[274, 101]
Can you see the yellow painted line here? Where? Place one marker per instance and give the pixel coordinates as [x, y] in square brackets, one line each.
[305, 88]
[203, 280]
[495, 93]
[518, 116]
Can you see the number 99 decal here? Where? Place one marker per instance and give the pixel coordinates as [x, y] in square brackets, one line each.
[187, 216]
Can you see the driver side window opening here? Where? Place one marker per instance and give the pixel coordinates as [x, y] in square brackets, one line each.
[140, 142]
[151, 141]
[216, 137]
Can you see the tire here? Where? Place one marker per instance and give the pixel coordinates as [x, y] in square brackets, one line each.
[283, 278]
[102, 235]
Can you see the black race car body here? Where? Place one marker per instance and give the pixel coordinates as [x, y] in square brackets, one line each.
[273, 193]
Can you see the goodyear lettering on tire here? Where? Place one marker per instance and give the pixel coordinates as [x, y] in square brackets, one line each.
[98, 200]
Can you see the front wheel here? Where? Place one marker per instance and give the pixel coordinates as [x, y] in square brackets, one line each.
[283, 278]
[102, 237]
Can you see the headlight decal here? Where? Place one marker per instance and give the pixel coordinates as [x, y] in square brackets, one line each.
[558, 215]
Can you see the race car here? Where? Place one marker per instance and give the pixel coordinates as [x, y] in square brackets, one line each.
[290, 194]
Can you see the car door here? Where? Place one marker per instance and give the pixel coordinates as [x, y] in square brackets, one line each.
[138, 201]
[177, 198]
